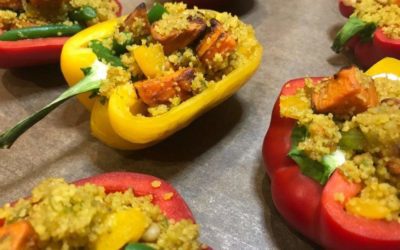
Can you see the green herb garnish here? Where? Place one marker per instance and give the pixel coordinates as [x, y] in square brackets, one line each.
[319, 171]
[354, 26]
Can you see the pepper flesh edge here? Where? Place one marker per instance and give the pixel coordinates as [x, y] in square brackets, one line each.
[324, 227]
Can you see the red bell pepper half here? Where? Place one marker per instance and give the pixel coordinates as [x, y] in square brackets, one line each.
[31, 52]
[369, 51]
[308, 206]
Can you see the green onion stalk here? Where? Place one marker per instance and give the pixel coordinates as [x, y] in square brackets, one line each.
[91, 82]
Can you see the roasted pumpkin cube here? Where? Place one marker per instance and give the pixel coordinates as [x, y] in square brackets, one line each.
[348, 93]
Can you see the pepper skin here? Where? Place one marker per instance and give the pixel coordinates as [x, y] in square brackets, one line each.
[31, 52]
[369, 53]
[311, 208]
[129, 131]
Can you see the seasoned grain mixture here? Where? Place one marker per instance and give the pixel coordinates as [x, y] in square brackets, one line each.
[15, 14]
[65, 216]
[174, 56]
[106, 9]
[385, 13]
[363, 120]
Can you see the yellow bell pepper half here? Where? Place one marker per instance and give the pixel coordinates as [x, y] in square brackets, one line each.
[122, 128]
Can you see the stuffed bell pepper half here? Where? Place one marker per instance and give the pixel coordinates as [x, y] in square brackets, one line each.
[112, 211]
[372, 31]
[32, 32]
[332, 154]
[152, 73]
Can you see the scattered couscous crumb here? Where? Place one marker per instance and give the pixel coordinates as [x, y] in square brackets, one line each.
[339, 197]
[156, 184]
[168, 196]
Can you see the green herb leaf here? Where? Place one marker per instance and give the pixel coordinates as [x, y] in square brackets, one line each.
[299, 134]
[105, 54]
[319, 171]
[354, 26]
[91, 82]
[156, 12]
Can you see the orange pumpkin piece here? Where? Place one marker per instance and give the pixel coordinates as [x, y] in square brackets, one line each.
[349, 92]
[18, 236]
[217, 41]
[161, 90]
[179, 39]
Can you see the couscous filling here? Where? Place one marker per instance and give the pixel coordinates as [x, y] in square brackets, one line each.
[179, 55]
[59, 215]
[16, 14]
[360, 116]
